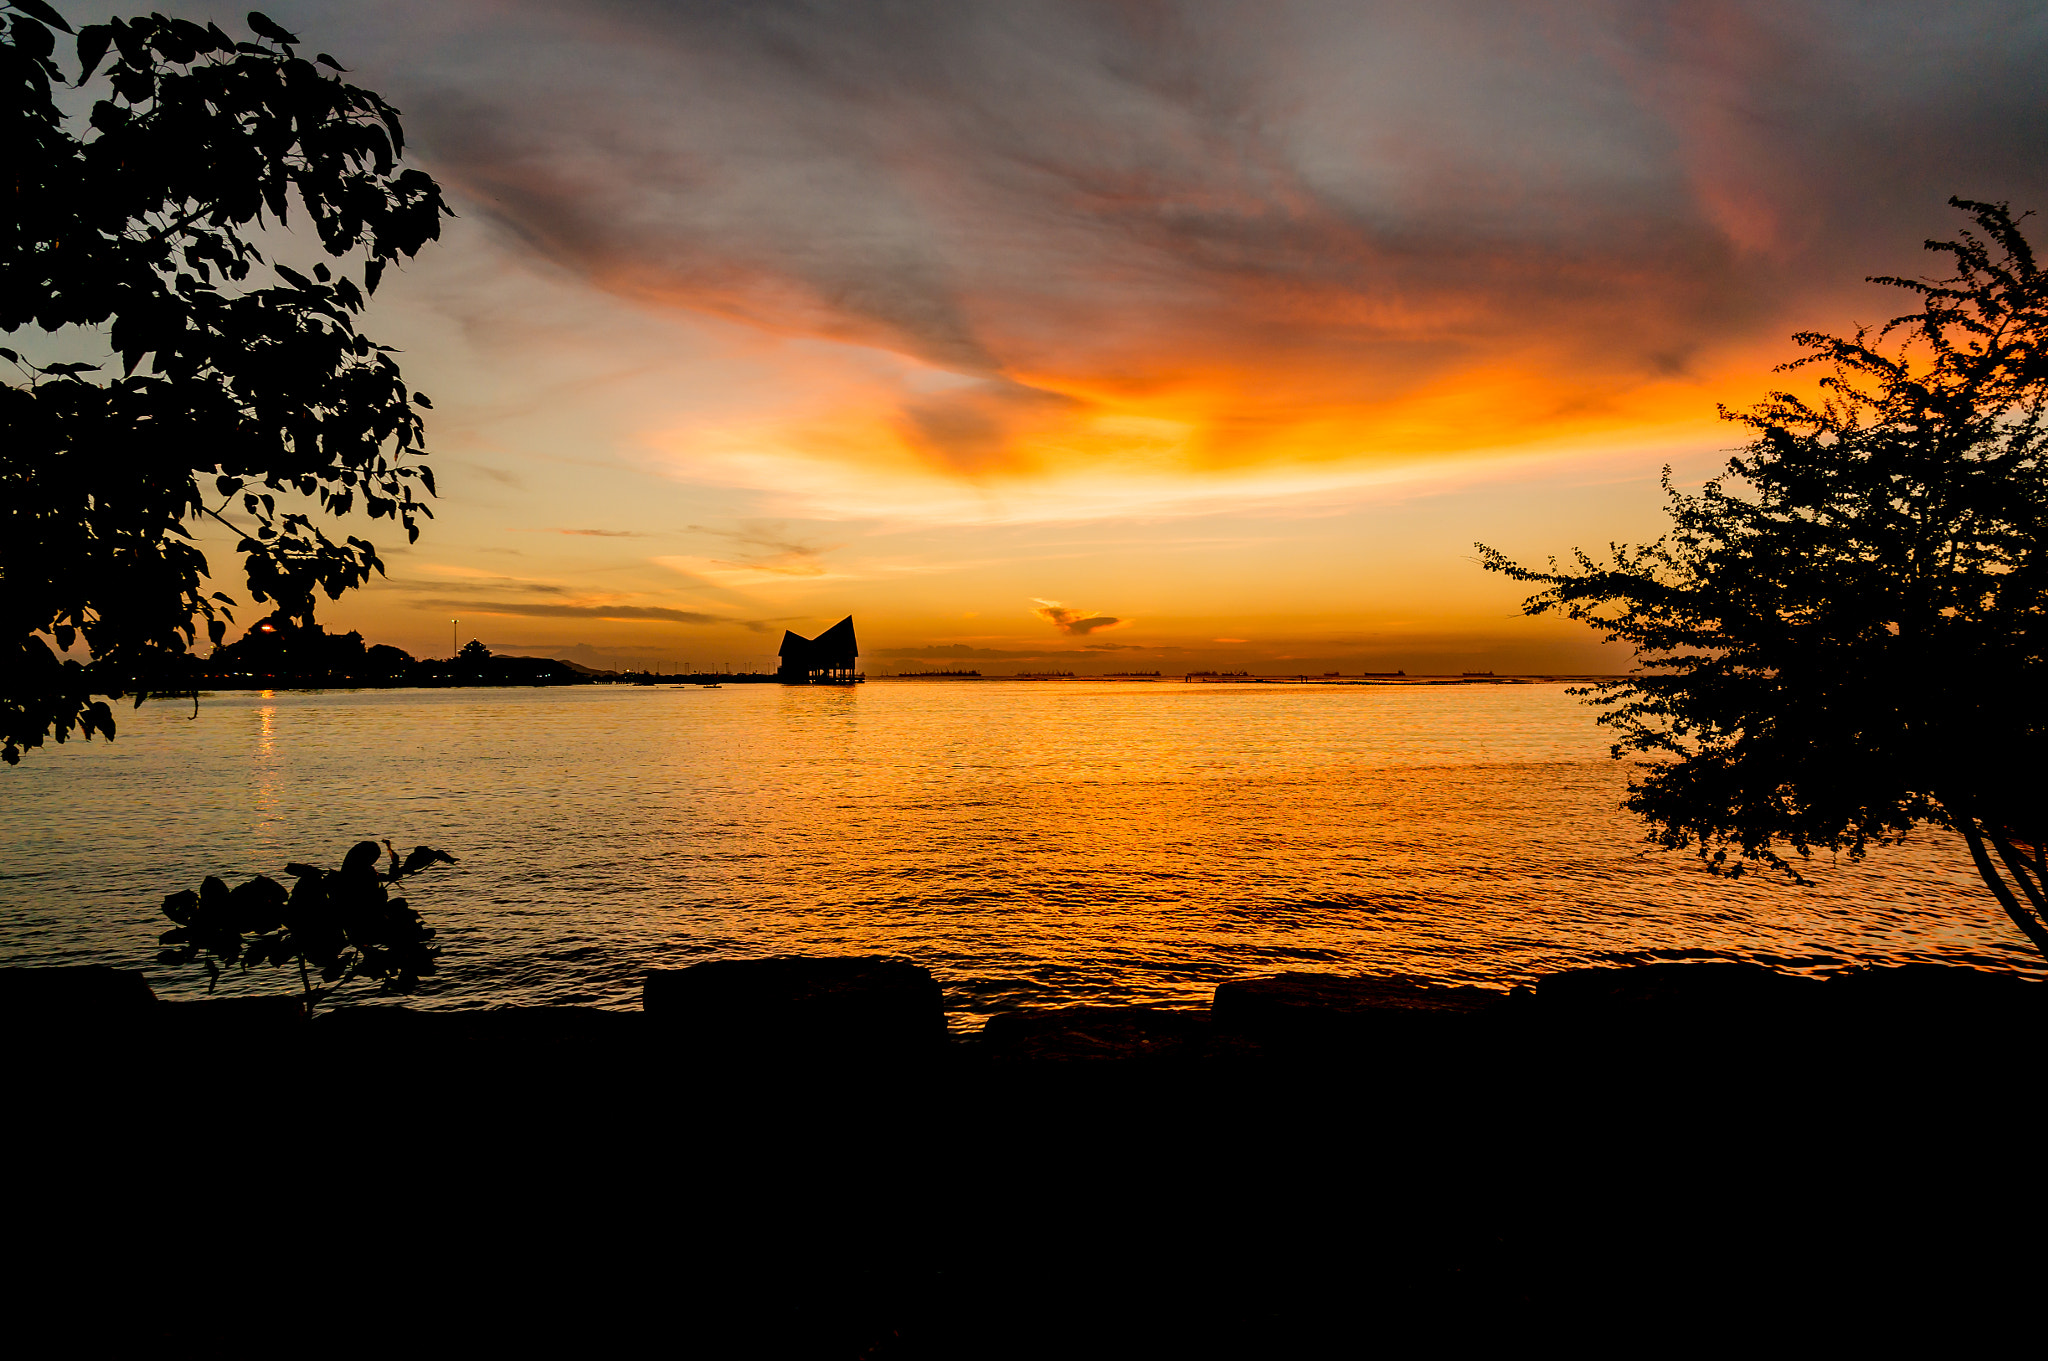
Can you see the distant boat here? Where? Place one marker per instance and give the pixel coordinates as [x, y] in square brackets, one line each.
[713, 685]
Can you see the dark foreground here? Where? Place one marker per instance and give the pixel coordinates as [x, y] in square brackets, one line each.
[1646, 1159]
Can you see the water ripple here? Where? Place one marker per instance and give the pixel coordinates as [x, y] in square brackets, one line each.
[1035, 844]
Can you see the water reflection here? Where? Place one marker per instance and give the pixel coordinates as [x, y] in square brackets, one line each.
[265, 766]
[1051, 843]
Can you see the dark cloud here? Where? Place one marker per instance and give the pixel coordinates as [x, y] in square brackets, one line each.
[1073, 621]
[1290, 204]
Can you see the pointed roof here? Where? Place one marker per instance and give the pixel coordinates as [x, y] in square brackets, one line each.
[838, 639]
[834, 643]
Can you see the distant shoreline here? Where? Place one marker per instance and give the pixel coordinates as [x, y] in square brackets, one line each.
[1277, 678]
[309, 684]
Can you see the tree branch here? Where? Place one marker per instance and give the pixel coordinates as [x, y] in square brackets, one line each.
[2027, 922]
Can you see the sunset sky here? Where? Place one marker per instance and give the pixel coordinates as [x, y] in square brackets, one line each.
[1123, 336]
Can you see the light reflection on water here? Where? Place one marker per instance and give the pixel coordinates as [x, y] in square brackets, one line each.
[1034, 843]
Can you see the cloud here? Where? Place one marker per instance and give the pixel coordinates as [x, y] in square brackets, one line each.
[442, 576]
[958, 650]
[1072, 621]
[656, 613]
[592, 533]
[975, 427]
[723, 572]
[1290, 233]
[503, 476]
[765, 551]
[1230, 640]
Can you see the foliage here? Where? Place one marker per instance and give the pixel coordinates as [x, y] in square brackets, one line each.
[1843, 637]
[341, 922]
[233, 390]
[279, 640]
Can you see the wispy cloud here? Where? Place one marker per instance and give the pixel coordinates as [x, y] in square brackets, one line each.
[655, 613]
[760, 552]
[720, 572]
[441, 576]
[502, 476]
[962, 651]
[591, 533]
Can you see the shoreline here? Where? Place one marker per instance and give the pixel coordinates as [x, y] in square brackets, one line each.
[714, 680]
[869, 1007]
[789, 1159]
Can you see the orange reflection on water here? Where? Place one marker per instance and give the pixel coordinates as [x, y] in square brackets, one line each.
[1032, 843]
[265, 790]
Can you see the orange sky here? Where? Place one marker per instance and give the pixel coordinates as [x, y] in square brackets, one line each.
[1235, 325]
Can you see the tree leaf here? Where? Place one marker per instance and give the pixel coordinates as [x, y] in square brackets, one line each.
[139, 222]
[36, 9]
[92, 46]
[261, 25]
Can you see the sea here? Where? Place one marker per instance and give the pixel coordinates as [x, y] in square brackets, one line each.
[1033, 843]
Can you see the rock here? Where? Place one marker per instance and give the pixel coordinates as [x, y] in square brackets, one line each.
[233, 1017]
[1296, 1009]
[1937, 1001]
[1099, 1033]
[509, 1033]
[1726, 989]
[492, 1052]
[82, 992]
[520, 1024]
[851, 1005]
[1914, 986]
[1671, 1016]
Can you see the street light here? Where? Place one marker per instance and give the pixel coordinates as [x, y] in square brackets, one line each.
[452, 648]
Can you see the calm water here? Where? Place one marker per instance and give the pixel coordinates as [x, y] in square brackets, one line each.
[1033, 843]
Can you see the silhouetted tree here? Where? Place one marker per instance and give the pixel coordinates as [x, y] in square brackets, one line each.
[256, 392]
[281, 646]
[1843, 636]
[342, 923]
[385, 660]
[473, 651]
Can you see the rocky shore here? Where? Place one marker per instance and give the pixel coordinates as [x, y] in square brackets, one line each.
[790, 1157]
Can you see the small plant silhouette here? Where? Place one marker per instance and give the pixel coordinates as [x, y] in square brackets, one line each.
[343, 923]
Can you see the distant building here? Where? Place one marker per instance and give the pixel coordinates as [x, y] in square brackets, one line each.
[829, 659]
